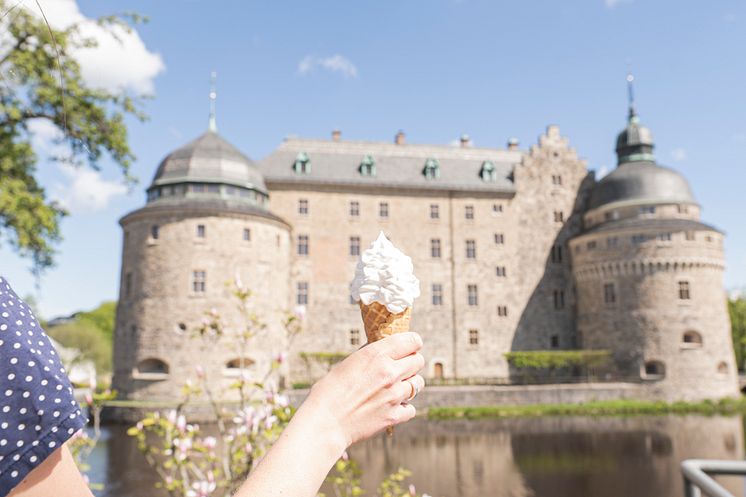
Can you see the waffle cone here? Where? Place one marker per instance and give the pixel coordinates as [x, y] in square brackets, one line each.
[380, 322]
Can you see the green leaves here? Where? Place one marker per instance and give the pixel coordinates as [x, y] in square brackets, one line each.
[40, 79]
[552, 359]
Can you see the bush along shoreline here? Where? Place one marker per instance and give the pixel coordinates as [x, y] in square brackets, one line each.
[725, 406]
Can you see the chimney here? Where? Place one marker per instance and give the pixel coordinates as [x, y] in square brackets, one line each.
[336, 135]
[513, 143]
[400, 138]
[465, 141]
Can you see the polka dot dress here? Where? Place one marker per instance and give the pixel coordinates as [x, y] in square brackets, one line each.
[37, 410]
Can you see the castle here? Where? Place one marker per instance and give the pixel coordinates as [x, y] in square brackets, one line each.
[515, 250]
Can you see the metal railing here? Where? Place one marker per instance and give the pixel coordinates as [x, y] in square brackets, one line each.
[698, 481]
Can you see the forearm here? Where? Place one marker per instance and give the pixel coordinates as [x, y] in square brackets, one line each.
[298, 462]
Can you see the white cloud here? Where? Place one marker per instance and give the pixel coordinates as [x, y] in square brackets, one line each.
[335, 63]
[678, 154]
[87, 189]
[602, 171]
[610, 4]
[121, 61]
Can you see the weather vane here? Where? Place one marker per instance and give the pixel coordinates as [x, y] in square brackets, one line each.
[631, 94]
[213, 125]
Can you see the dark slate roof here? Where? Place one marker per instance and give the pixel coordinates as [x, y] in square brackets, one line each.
[652, 223]
[201, 206]
[641, 182]
[397, 166]
[209, 159]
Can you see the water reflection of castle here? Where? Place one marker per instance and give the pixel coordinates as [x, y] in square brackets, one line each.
[516, 250]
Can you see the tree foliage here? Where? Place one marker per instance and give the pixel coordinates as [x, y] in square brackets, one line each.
[40, 79]
[737, 311]
[555, 359]
[84, 336]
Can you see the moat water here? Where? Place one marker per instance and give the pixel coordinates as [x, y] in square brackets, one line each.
[558, 457]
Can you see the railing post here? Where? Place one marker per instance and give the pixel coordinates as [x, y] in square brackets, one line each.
[690, 489]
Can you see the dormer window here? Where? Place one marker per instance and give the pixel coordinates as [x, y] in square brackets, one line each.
[432, 169]
[368, 166]
[488, 173]
[302, 164]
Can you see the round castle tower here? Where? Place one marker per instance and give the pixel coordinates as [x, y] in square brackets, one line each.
[206, 221]
[649, 278]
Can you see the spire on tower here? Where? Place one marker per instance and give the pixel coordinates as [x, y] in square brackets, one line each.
[631, 96]
[213, 125]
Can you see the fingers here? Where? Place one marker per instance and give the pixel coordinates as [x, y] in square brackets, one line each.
[399, 345]
[406, 390]
[402, 413]
[409, 366]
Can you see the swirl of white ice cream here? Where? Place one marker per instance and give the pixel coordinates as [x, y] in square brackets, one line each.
[385, 275]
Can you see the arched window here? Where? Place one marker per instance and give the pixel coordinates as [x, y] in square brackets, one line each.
[722, 367]
[654, 370]
[368, 166]
[236, 366]
[151, 369]
[432, 169]
[302, 164]
[488, 173]
[691, 339]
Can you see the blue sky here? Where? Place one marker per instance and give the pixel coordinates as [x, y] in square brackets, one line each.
[434, 68]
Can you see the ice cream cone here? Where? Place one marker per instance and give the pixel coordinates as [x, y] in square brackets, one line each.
[380, 322]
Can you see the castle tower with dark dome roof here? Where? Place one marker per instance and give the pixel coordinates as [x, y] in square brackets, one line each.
[649, 278]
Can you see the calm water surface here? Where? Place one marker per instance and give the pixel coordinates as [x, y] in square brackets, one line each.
[562, 457]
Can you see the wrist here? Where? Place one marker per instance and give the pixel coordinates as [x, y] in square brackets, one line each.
[320, 428]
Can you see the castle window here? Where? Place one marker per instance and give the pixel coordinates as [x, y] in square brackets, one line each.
[654, 370]
[683, 209]
[201, 231]
[647, 209]
[151, 369]
[556, 180]
[691, 339]
[469, 212]
[472, 296]
[354, 208]
[609, 293]
[438, 370]
[383, 210]
[611, 215]
[559, 299]
[235, 367]
[302, 164]
[557, 254]
[432, 169]
[496, 208]
[591, 245]
[488, 173]
[689, 236]
[554, 341]
[301, 295]
[723, 367]
[127, 285]
[434, 211]
[246, 235]
[502, 311]
[499, 239]
[559, 217]
[684, 293]
[708, 238]
[437, 294]
[638, 239]
[302, 244]
[368, 166]
[355, 337]
[471, 249]
[435, 248]
[473, 337]
[199, 281]
[213, 188]
[303, 207]
[198, 187]
[612, 241]
[355, 246]
[154, 232]
[664, 237]
[500, 271]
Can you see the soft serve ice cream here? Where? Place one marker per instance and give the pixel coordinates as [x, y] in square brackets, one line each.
[385, 286]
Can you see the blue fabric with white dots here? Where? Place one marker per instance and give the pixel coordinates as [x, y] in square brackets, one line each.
[37, 410]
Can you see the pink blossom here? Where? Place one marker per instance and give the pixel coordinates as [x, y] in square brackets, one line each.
[210, 442]
[200, 371]
[300, 312]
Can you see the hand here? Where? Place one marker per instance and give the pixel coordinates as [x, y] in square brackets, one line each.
[367, 392]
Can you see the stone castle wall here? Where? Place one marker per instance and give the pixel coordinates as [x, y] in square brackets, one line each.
[161, 314]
